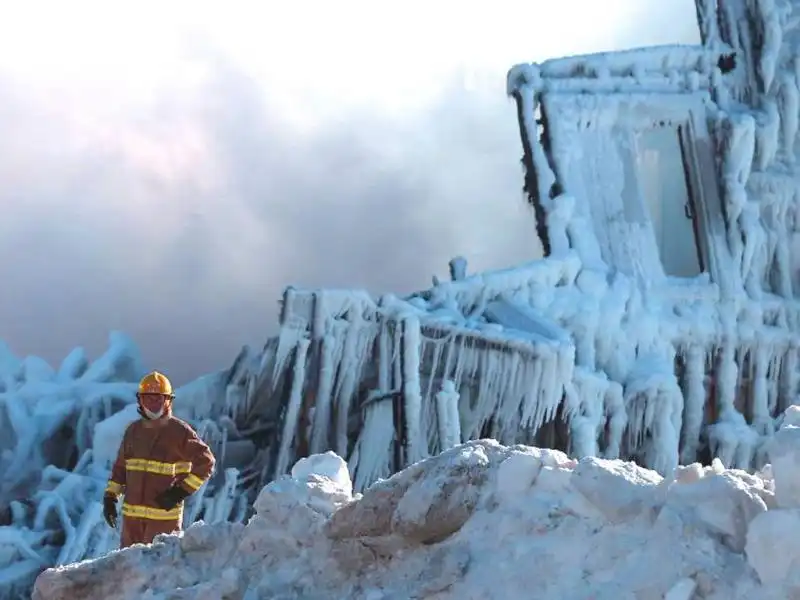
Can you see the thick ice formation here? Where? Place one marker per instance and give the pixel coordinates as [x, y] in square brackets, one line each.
[59, 433]
[472, 522]
[607, 347]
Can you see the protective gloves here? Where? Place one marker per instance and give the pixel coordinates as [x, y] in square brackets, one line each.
[110, 511]
[171, 497]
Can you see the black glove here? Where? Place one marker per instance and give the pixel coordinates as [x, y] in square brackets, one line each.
[171, 497]
[110, 511]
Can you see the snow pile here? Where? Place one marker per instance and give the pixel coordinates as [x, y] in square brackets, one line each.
[481, 520]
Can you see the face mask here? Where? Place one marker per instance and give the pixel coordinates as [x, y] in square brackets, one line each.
[153, 405]
[153, 415]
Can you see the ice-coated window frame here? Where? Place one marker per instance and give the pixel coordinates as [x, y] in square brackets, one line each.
[566, 113]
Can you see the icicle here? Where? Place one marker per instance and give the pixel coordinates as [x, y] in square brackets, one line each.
[290, 419]
[768, 25]
[727, 378]
[507, 400]
[531, 401]
[694, 402]
[372, 455]
[585, 328]
[290, 334]
[384, 359]
[437, 349]
[774, 378]
[322, 408]
[586, 415]
[412, 394]
[558, 221]
[447, 411]
[731, 439]
[654, 402]
[767, 136]
[788, 381]
[617, 419]
[789, 107]
[762, 422]
[219, 508]
[358, 342]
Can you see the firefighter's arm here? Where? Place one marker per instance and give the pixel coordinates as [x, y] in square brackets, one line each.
[116, 484]
[197, 452]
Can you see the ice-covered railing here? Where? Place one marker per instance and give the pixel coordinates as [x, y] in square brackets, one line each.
[364, 377]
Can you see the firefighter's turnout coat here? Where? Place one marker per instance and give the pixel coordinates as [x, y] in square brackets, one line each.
[153, 456]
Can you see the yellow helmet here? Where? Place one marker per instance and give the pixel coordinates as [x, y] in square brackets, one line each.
[155, 383]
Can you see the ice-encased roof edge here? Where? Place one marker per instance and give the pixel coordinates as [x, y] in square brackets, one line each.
[660, 59]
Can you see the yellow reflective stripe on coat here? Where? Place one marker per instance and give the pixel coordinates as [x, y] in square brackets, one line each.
[193, 481]
[114, 488]
[148, 512]
[156, 467]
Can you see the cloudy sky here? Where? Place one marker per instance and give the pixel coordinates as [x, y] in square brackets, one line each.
[167, 169]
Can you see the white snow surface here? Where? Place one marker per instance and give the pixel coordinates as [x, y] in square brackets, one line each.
[481, 520]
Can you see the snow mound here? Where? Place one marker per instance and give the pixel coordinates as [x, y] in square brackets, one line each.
[480, 520]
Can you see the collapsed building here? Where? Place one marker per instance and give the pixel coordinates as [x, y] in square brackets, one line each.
[660, 326]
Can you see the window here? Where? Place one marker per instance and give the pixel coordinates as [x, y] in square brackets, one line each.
[659, 165]
[642, 170]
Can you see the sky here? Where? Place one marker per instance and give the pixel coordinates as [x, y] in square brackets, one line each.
[167, 169]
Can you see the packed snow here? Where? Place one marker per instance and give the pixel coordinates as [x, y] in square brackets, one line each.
[482, 520]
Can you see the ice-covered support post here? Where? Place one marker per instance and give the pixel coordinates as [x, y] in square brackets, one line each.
[290, 418]
[655, 404]
[788, 380]
[218, 509]
[762, 420]
[617, 419]
[412, 391]
[789, 108]
[737, 133]
[347, 385]
[322, 411]
[769, 31]
[458, 268]
[371, 458]
[731, 439]
[524, 83]
[448, 416]
[694, 393]
[585, 397]
[558, 221]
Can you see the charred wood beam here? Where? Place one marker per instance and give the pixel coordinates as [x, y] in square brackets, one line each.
[531, 182]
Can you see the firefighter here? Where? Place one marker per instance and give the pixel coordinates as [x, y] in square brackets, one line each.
[160, 463]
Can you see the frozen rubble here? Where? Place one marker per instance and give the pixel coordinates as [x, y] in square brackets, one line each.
[482, 520]
[60, 429]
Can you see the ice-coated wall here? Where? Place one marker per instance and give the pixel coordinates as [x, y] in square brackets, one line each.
[722, 347]
[611, 345]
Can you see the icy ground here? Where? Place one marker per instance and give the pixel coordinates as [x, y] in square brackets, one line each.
[482, 521]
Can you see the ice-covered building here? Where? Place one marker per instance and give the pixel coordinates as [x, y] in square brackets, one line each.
[662, 323]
